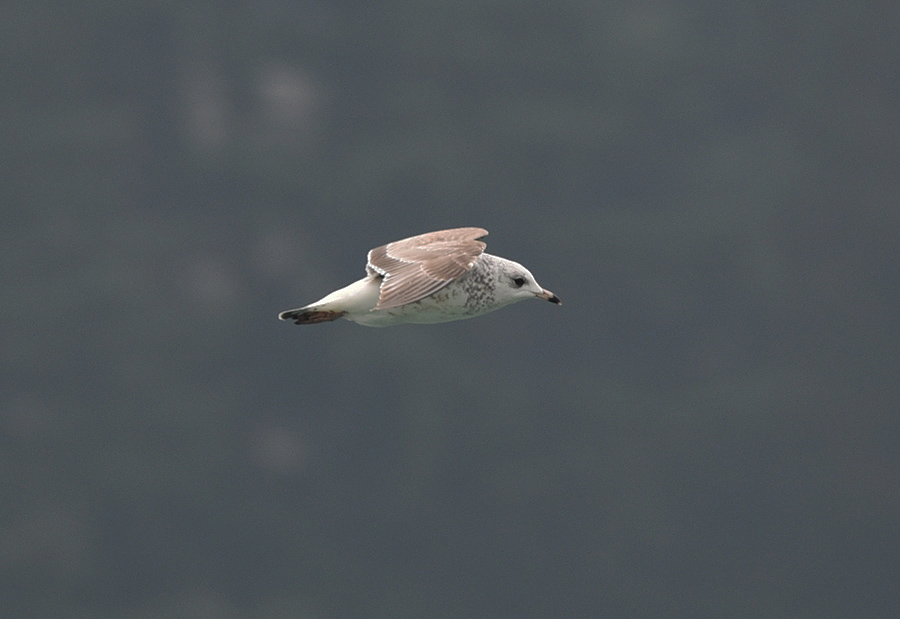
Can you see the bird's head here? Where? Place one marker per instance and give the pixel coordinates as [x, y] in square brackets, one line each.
[516, 283]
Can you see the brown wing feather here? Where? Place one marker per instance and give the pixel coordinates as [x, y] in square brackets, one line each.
[421, 265]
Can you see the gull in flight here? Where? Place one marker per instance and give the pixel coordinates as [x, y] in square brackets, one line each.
[433, 277]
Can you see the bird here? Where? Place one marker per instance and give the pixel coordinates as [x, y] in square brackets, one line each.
[434, 277]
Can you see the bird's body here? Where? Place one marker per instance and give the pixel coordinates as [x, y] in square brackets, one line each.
[433, 277]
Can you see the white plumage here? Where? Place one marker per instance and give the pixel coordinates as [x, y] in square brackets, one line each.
[433, 277]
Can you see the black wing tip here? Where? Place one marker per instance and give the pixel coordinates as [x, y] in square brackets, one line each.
[309, 316]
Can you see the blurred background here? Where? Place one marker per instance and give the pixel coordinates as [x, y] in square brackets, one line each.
[708, 427]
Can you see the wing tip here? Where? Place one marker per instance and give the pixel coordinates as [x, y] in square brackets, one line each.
[303, 316]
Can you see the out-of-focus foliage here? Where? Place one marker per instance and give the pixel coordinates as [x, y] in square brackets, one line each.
[708, 427]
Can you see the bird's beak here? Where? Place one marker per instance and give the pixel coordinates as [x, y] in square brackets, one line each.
[546, 294]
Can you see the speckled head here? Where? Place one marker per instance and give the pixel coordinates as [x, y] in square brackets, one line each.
[512, 282]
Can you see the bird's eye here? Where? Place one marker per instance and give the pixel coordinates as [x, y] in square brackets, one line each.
[519, 281]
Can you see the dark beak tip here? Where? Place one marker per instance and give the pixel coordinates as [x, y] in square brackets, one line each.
[549, 296]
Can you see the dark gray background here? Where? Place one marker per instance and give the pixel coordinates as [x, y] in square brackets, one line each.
[708, 427]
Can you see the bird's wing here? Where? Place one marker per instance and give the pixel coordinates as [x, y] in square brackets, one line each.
[421, 265]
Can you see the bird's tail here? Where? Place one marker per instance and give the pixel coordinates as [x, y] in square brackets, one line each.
[310, 315]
